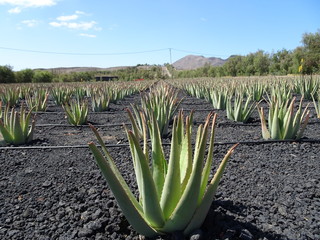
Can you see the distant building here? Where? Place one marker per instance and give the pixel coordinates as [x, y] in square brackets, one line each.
[106, 78]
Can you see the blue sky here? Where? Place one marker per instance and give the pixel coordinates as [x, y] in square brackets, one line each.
[106, 33]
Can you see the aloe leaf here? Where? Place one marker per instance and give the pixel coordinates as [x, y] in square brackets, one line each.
[31, 131]
[159, 164]
[17, 130]
[186, 156]
[275, 127]
[5, 133]
[136, 130]
[202, 210]
[127, 202]
[264, 129]
[288, 129]
[207, 167]
[189, 199]
[303, 125]
[151, 206]
[171, 190]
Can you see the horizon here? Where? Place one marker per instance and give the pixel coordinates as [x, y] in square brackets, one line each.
[78, 33]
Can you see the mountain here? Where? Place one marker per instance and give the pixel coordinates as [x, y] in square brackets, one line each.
[193, 62]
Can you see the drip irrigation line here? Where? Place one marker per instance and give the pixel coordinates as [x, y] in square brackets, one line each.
[95, 125]
[127, 124]
[257, 142]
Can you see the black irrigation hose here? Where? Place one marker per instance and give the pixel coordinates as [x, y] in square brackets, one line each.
[121, 124]
[258, 142]
[80, 126]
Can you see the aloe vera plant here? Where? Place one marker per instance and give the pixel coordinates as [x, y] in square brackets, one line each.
[10, 96]
[174, 195]
[61, 95]
[14, 126]
[161, 103]
[76, 112]
[218, 98]
[307, 86]
[37, 102]
[317, 104]
[282, 122]
[100, 102]
[239, 110]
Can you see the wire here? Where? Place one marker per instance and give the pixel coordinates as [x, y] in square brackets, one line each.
[165, 144]
[84, 54]
[110, 54]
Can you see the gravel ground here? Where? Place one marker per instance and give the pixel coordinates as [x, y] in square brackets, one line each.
[269, 191]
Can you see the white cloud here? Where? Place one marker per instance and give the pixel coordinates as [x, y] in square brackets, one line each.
[15, 10]
[30, 23]
[68, 18]
[20, 4]
[87, 35]
[69, 21]
[74, 25]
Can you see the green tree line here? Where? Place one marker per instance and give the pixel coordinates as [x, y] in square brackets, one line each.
[7, 75]
[304, 59]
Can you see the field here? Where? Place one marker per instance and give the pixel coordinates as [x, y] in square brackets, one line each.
[52, 188]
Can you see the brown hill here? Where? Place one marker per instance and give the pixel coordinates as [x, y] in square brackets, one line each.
[193, 62]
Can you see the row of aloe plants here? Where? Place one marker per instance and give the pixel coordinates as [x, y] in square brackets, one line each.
[241, 97]
[14, 124]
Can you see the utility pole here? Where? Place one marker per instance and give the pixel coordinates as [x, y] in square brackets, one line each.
[170, 56]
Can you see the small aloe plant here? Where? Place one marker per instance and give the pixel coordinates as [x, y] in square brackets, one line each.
[174, 195]
[76, 112]
[161, 103]
[61, 95]
[38, 102]
[10, 96]
[218, 98]
[316, 103]
[239, 110]
[282, 123]
[14, 126]
[100, 102]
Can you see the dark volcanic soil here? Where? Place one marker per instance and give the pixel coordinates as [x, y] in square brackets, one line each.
[269, 190]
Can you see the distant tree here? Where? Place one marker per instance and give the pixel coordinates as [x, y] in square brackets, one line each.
[24, 76]
[280, 62]
[311, 44]
[297, 55]
[233, 66]
[261, 63]
[42, 76]
[6, 74]
[248, 64]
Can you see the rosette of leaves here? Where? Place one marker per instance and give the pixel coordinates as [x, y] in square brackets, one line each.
[174, 195]
[239, 110]
[61, 95]
[306, 86]
[218, 98]
[316, 103]
[100, 102]
[10, 96]
[283, 122]
[37, 101]
[76, 112]
[161, 103]
[14, 126]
